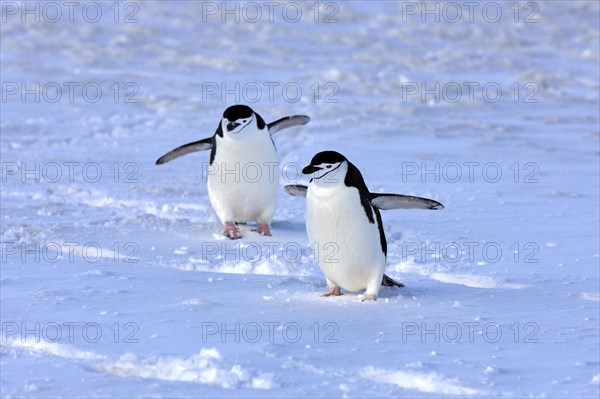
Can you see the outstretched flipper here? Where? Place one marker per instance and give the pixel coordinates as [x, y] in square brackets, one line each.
[287, 121]
[296, 190]
[204, 144]
[399, 201]
[381, 201]
[389, 282]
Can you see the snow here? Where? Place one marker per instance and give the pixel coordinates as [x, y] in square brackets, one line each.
[117, 282]
[420, 382]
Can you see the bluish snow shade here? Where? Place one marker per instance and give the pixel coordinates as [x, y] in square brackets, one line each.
[117, 282]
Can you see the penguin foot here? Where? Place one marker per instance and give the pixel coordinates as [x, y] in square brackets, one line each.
[231, 231]
[335, 291]
[264, 230]
[370, 297]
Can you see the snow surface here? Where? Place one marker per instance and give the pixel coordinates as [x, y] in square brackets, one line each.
[125, 287]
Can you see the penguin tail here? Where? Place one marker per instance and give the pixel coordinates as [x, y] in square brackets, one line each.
[389, 282]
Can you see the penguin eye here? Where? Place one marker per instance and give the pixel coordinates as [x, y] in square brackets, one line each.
[328, 166]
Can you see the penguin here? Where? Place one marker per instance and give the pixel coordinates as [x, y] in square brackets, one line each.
[243, 175]
[344, 224]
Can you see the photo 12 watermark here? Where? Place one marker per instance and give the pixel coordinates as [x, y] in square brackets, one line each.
[470, 172]
[454, 12]
[290, 332]
[469, 332]
[269, 92]
[69, 172]
[53, 12]
[253, 12]
[271, 252]
[70, 252]
[70, 92]
[70, 332]
[251, 252]
[253, 172]
[469, 92]
[469, 251]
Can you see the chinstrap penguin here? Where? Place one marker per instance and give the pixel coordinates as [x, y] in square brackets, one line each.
[344, 224]
[242, 138]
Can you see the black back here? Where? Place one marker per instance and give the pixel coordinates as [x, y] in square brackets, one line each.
[355, 179]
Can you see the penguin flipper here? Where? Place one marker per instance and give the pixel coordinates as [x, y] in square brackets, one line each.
[296, 190]
[390, 282]
[399, 201]
[287, 121]
[204, 144]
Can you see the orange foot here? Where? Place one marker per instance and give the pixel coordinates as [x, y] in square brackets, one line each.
[264, 230]
[370, 297]
[335, 291]
[232, 231]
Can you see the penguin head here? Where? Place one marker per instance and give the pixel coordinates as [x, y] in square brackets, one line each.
[327, 167]
[237, 117]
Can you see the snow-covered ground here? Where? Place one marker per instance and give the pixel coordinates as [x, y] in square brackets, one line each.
[117, 282]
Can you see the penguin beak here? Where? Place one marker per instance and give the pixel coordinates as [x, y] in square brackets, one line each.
[231, 126]
[310, 169]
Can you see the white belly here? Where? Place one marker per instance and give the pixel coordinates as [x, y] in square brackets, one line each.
[243, 180]
[345, 244]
